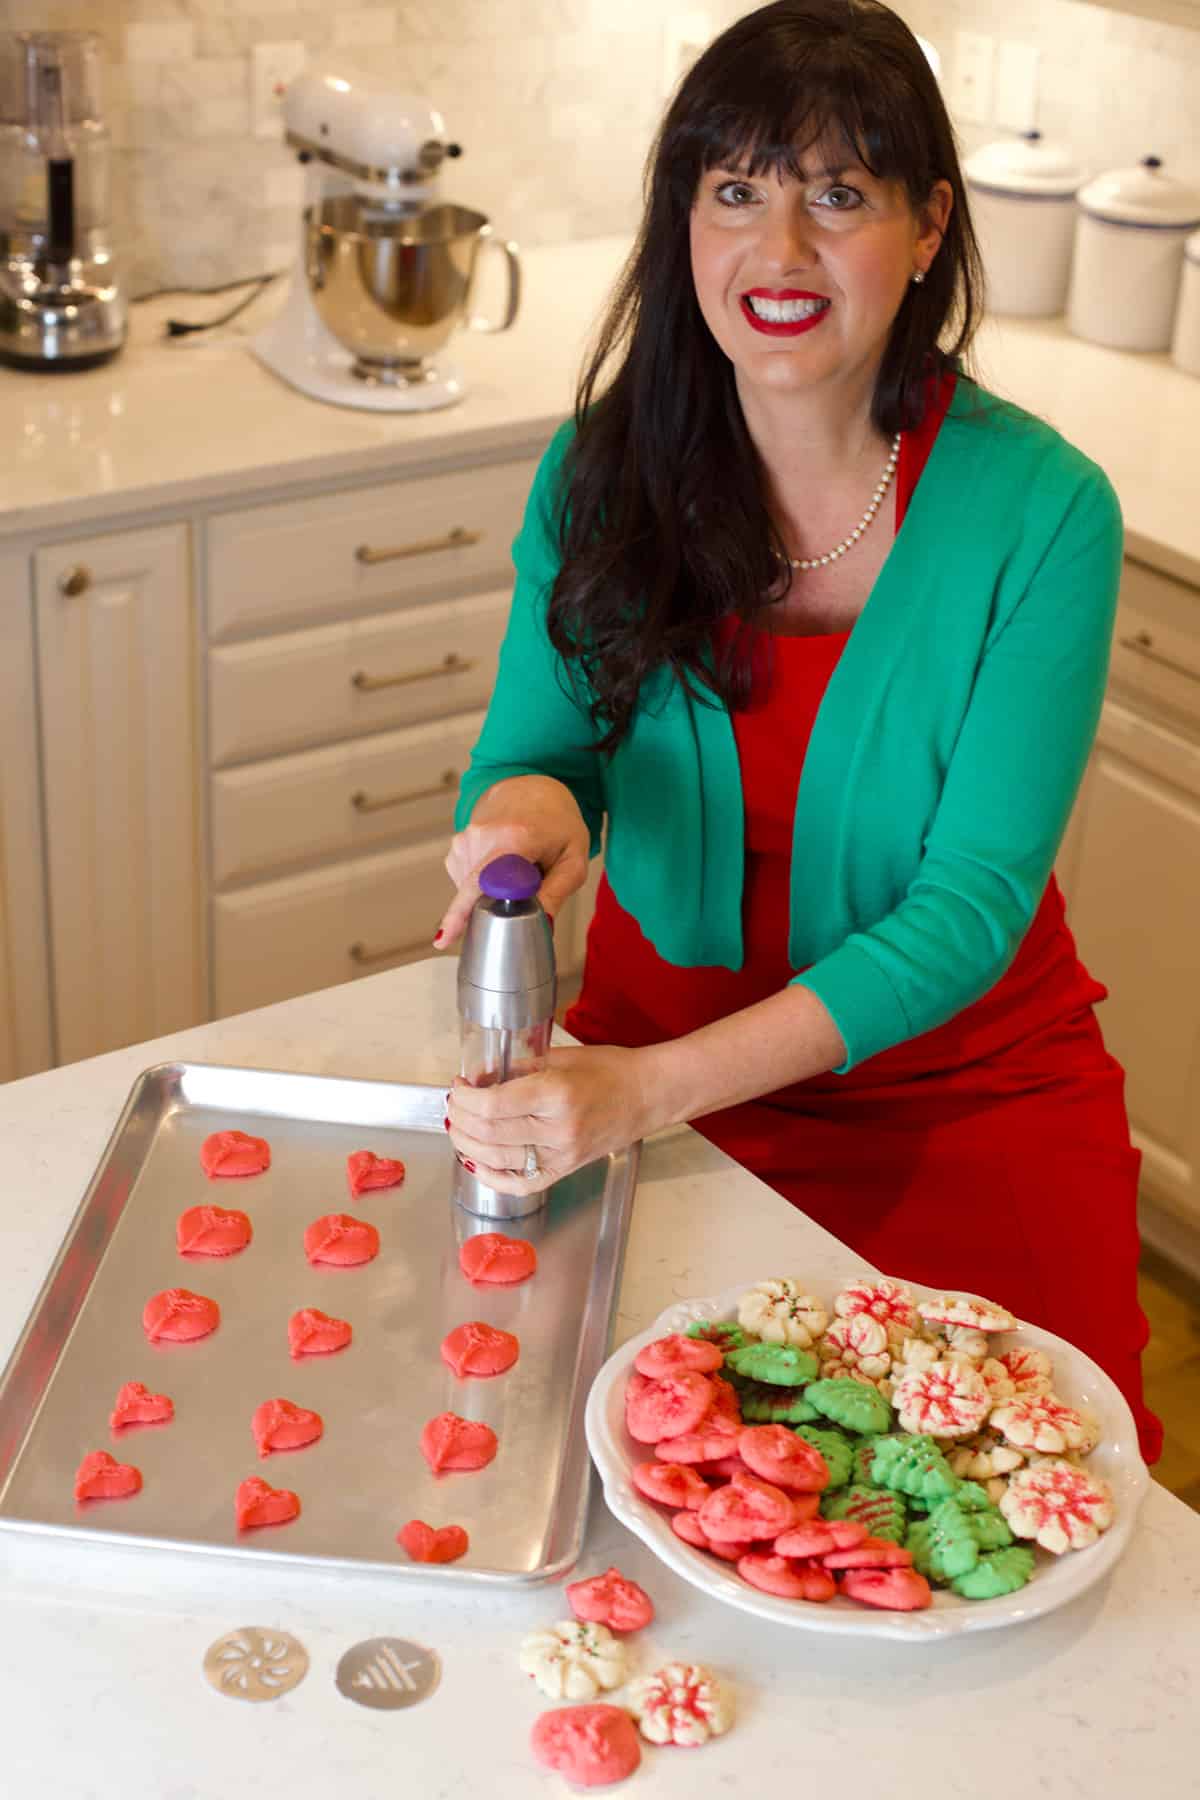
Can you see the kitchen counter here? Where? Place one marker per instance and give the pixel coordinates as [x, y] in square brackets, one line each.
[192, 419]
[103, 1694]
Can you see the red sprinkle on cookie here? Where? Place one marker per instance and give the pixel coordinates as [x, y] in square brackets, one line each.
[426, 1545]
[365, 1172]
[450, 1442]
[479, 1349]
[493, 1257]
[258, 1503]
[136, 1405]
[313, 1333]
[281, 1425]
[101, 1477]
[340, 1241]
[177, 1316]
[212, 1231]
[232, 1153]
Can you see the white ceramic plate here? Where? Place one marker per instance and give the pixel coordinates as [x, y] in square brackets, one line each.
[1056, 1580]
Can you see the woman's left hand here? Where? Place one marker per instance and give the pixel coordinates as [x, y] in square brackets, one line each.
[584, 1104]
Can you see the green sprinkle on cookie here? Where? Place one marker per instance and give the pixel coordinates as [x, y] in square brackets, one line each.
[837, 1450]
[850, 1403]
[883, 1514]
[910, 1463]
[780, 1365]
[998, 1572]
[763, 1404]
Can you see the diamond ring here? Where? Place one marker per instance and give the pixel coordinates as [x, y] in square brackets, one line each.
[531, 1168]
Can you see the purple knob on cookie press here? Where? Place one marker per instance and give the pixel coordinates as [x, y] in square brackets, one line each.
[510, 878]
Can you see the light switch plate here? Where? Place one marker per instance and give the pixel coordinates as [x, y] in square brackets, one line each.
[971, 83]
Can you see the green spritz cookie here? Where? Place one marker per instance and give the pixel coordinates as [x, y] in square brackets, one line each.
[863, 1453]
[911, 1463]
[850, 1403]
[781, 1365]
[883, 1514]
[837, 1450]
[973, 1498]
[943, 1545]
[990, 1528]
[998, 1572]
[763, 1404]
[726, 1334]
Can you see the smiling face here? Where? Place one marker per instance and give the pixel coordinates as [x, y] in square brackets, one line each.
[799, 277]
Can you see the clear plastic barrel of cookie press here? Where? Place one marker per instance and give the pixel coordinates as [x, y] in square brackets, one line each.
[489, 1055]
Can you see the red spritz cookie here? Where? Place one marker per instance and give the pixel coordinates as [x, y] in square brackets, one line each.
[258, 1503]
[479, 1349]
[136, 1405]
[668, 1408]
[817, 1537]
[493, 1257]
[231, 1153]
[449, 1442]
[869, 1553]
[365, 1172]
[714, 1440]
[341, 1241]
[177, 1316]
[101, 1477]
[281, 1425]
[778, 1455]
[747, 1509]
[671, 1484]
[787, 1580]
[591, 1745]
[212, 1231]
[901, 1590]
[672, 1355]
[687, 1526]
[424, 1544]
[313, 1333]
[610, 1599]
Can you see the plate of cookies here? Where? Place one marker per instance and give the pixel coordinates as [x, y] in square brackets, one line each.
[886, 1461]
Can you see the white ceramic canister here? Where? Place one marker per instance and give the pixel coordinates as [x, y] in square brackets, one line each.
[1185, 346]
[1022, 196]
[1129, 238]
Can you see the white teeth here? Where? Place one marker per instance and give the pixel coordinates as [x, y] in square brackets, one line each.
[784, 312]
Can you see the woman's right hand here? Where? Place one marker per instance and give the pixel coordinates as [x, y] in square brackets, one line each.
[529, 815]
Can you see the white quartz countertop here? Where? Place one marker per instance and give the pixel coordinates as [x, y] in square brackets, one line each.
[103, 1697]
[172, 422]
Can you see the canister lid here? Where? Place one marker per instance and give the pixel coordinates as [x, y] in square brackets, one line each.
[1142, 195]
[1027, 166]
[510, 878]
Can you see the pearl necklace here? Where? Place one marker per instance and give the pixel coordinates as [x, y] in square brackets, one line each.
[848, 543]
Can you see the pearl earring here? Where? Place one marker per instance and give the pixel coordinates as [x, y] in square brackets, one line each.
[918, 275]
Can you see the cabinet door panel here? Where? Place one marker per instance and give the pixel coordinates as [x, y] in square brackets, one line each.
[114, 639]
[25, 1039]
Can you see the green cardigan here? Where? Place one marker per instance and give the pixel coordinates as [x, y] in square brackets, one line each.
[942, 765]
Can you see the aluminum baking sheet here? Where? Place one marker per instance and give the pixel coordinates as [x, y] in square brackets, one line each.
[525, 1513]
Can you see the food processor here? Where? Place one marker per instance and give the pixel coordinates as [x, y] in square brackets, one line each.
[384, 270]
[61, 304]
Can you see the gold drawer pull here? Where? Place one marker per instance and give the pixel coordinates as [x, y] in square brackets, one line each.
[1143, 644]
[451, 664]
[367, 803]
[457, 539]
[360, 954]
[76, 581]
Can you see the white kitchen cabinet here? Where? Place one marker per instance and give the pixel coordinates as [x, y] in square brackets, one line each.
[25, 1035]
[114, 674]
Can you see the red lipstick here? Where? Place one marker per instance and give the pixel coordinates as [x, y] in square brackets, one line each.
[779, 328]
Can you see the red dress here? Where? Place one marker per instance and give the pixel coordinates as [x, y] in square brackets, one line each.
[991, 1153]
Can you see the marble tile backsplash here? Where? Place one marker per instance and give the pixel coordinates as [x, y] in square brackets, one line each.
[555, 101]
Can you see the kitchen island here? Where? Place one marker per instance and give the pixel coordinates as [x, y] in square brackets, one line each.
[103, 1691]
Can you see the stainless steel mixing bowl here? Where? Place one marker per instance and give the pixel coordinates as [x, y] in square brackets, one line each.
[393, 289]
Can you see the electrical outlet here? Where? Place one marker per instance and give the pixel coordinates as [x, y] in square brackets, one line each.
[971, 87]
[685, 35]
[1015, 104]
[272, 66]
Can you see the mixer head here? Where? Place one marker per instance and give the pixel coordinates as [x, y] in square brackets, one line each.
[391, 145]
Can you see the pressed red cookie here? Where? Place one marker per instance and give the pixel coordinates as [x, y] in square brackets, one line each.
[671, 1484]
[714, 1438]
[177, 1316]
[869, 1553]
[282, 1425]
[479, 1349]
[495, 1258]
[687, 1526]
[675, 1354]
[366, 1172]
[340, 1241]
[786, 1579]
[669, 1407]
[747, 1508]
[212, 1231]
[611, 1599]
[313, 1333]
[258, 1503]
[101, 1477]
[136, 1405]
[816, 1537]
[234, 1153]
[778, 1455]
[425, 1544]
[451, 1442]
[592, 1745]
[900, 1590]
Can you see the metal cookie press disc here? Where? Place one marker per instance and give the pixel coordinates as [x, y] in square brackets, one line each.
[388, 1673]
[255, 1664]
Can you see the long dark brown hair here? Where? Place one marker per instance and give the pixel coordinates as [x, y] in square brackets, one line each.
[664, 527]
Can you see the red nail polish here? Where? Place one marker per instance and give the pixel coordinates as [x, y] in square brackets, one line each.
[469, 1166]
[437, 940]
[446, 1124]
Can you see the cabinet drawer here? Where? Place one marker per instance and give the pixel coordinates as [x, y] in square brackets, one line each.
[341, 800]
[282, 938]
[272, 567]
[336, 681]
[1156, 642]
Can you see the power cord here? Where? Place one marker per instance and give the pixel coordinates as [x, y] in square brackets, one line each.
[184, 327]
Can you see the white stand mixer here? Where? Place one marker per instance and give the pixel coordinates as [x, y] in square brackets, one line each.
[384, 272]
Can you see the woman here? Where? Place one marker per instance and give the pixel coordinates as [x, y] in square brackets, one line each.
[817, 630]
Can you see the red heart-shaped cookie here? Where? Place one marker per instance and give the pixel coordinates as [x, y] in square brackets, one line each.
[233, 1153]
[136, 1405]
[177, 1316]
[313, 1333]
[494, 1257]
[258, 1503]
[611, 1599]
[338, 1239]
[479, 1349]
[281, 1425]
[101, 1477]
[365, 1171]
[212, 1231]
[449, 1442]
[426, 1545]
